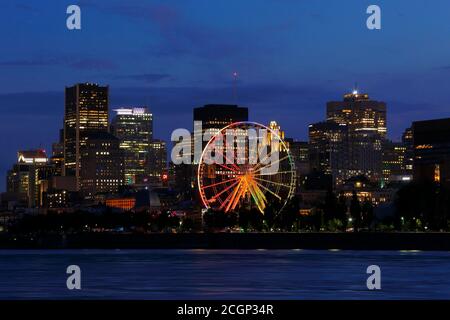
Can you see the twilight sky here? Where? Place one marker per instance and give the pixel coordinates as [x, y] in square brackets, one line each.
[292, 56]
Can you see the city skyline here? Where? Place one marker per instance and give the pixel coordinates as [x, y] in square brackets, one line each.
[113, 111]
[173, 58]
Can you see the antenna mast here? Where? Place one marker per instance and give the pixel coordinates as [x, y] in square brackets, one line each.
[235, 78]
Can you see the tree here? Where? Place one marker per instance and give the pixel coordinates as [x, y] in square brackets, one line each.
[355, 211]
[289, 215]
[422, 204]
[215, 219]
[367, 213]
[330, 210]
[342, 211]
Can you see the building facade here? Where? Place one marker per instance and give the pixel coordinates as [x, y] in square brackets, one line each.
[394, 164]
[102, 169]
[157, 164]
[328, 149]
[299, 151]
[86, 112]
[366, 123]
[214, 117]
[26, 175]
[134, 129]
[432, 151]
[407, 140]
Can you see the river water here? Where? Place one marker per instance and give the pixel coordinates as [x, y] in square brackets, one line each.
[223, 274]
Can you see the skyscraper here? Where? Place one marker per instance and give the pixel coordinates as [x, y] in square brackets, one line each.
[276, 128]
[407, 140]
[394, 169]
[24, 177]
[86, 111]
[214, 117]
[366, 123]
[102, 165]
[328, 149]
[57, 158]
[134, 129]
[157, 161]
[432, 150]
[300, 154]
[217, 116]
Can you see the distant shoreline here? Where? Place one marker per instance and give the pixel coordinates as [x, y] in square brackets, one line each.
[314, 241]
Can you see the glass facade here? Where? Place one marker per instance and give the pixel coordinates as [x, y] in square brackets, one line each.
[86, 111]
[134, 129]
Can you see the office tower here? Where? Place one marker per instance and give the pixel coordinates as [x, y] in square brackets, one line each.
[218, 116]
[328, 149]
[17, 181]
[86, 111]
[134, 129]
[300, 154]
[432, 150]
[407, 140]
[24, 177]
[366, 123]
[157, 162]
[299, 150]
[394, 169]
[57, 158]
[214, 117]
[101, 165]
[276, 128]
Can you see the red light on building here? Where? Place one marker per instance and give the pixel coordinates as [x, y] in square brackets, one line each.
[122, 203]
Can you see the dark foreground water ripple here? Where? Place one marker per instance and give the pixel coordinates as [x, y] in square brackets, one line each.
[224, 274]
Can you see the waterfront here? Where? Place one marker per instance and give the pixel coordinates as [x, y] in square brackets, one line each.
[223, 274]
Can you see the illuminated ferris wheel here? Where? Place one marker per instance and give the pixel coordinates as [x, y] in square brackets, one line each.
[255, 170]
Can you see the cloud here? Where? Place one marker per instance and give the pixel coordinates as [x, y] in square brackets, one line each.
[89, 64]
[77, 63]
[26, 7]
[146, 77]
[32, 62]
[181, 36]
[443, 68]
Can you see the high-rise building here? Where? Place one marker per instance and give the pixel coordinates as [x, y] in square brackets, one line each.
[299, 151]
[214, 117]
[366, 123]
[25, 176]
[86, 112]
[134, 129]
[57, 158]
[218, 116]
[276, 128]
[407, 140]
[157, 162]
[328, 149]
[101, 165]
[394, 169]
[432, 150]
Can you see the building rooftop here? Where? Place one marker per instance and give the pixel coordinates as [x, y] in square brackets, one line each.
[31, 156]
